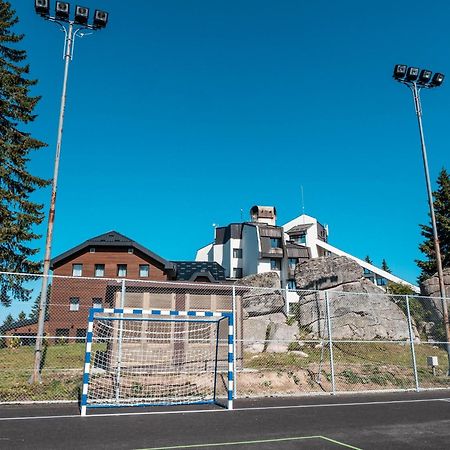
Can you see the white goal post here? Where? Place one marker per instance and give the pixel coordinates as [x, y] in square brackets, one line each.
[137, 357]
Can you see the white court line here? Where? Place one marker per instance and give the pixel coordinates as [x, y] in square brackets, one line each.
[225, 411]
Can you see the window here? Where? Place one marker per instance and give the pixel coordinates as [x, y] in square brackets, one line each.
[300, 239]
[77, 270]
[381, 281]
[131, 251]
[237, 272]
[275, 242]
[97, 302]
[62, 334]
[121, 270]
[144, 270]
[292, 262]
[99, 270]
[274, 264]
[291, 284]
[237, 252]
[92, 250]
[81, 334]
[74, 304]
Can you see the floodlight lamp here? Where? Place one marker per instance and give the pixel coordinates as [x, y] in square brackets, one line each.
[400, 71]
[81, 15]
[437, 80]
[62, 10]
[42, 7]
[412, 73]
[100, 19]
[425, 76]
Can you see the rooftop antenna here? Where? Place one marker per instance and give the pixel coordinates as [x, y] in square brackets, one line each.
[303, 204]
[242, 215]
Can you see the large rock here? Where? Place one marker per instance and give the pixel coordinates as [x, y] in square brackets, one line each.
[359, 310]
[430, 288]
[267, 300]
[269, 333]
[327, 272]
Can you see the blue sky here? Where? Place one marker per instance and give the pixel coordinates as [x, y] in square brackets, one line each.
[183, 112]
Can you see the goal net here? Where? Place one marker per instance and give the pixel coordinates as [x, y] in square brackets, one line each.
[157, 357]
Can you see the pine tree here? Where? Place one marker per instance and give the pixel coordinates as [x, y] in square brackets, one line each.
[19, 215]
[34, 314]
[442, 212]
[368, 260]
[385, 267]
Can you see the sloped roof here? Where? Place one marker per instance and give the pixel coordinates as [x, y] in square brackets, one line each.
[299, 228]
[189, 270]
[112, 239]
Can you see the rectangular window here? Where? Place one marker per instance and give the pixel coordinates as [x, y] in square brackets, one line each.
[275, 242]
[381, 281]
[237, 252]
[237, 272]
[144, 270]
[301, 239]
[292, 262]
[291, 285]
[81, 334]
[121, 270]
[62, 334]
[77, 270]
[74, 304]
[274, 264]
[367, 272]
[99, 270]
[97, 302]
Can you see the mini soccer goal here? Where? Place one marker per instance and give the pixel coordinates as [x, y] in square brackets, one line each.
[138, 357]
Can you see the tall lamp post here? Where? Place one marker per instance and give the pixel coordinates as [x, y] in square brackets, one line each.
[416, 80]
[71, 28]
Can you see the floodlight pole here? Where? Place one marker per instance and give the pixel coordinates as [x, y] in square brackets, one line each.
[69, 36]
[415, 89]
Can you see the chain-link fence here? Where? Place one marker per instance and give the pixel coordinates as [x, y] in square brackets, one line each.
[286, 342]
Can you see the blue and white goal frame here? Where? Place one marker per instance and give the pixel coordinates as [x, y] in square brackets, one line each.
[156, 312]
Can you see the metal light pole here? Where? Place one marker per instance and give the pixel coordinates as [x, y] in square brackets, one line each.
[415, 81]
[62, 10]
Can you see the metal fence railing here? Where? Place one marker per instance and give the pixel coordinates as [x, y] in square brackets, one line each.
[286, 343]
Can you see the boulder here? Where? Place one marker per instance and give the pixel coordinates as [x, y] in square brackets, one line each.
[327, 272]
[267, 300]
[359, 310]
[269, 333]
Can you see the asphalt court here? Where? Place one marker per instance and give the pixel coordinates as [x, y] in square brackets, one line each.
[388, 420]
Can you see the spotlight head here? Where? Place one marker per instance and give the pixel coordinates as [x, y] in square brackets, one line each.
[425, 76]
[81, 15]
[62, 10]
[400, 71]
[100, 19]
[412, 73]
[42, 7]
[438, 79]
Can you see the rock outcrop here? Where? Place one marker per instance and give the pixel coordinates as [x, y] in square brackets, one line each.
[267, 300]
[358, 308]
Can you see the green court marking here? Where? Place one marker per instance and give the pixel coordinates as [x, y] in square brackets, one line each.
[262, 441]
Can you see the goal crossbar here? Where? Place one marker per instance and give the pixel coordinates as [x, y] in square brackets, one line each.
[129, 315]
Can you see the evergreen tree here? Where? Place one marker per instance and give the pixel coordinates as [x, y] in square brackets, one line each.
[34, 314]
[385, 267]
[22, 316]
[19, 215]
[368, 260]
[442, 212]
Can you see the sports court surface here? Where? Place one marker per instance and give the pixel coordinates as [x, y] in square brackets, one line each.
[371, 421]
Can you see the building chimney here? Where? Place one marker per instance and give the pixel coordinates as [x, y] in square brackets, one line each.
[264, 214]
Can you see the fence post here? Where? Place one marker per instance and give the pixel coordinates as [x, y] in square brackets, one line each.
[330, 343]
[411, 343]
[119, 358]
[286, 293]
[234, 342]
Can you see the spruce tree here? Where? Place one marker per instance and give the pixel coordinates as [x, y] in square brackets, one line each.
[385, 267]
[368, 260]
[442, 212]
[19, 215]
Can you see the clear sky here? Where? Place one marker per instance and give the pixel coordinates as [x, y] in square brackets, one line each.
[182, 113]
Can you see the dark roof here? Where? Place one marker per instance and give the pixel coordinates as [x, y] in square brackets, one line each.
[112, 239]
[297, 251]
[299, 228]
[233, 230]
[20, 323]
[190, 270]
